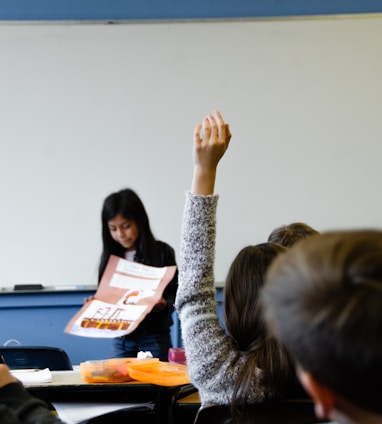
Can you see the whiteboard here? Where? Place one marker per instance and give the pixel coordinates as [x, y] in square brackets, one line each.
[88, 109]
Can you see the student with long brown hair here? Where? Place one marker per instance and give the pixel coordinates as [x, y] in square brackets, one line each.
[242, 365]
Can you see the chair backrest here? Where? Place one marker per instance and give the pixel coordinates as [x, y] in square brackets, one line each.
[18, 357]
[278, 412]
[184, 405]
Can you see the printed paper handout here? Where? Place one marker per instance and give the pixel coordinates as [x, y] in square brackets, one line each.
[127, 292]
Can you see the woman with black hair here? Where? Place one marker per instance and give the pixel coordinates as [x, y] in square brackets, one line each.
[126, 233]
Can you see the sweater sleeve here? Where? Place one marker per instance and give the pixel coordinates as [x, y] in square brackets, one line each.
[213, 359]
[18, 406]
[210, 352]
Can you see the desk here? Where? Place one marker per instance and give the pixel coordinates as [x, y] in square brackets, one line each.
[67, 386]
[186, 406]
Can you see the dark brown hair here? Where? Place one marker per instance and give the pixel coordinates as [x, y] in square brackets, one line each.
[127, 203]
[288, 235]
[245, 324]
[323, 299]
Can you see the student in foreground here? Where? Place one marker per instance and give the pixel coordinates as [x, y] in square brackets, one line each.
[17, 406]
[323, 300]
[245, 366]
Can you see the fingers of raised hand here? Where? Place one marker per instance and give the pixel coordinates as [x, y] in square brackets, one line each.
[206, 128]
[224, 131]
[212, 129]
[228, 132]
[197, 130]
[220, 122]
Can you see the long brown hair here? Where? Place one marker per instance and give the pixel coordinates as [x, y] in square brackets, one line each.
[245, 324]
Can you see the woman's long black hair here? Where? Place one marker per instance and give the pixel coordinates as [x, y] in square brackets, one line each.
[128, 204]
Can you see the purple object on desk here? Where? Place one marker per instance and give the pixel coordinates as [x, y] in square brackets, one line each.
[177, 355]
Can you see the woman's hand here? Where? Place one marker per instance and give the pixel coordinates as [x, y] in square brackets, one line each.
[211, 140]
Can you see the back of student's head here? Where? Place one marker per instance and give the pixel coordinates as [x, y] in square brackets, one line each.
[323, 299]
[244, 280]
[288, 235]
[244, 320]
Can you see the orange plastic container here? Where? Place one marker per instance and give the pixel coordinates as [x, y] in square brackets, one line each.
[160, 373]
[115, 370]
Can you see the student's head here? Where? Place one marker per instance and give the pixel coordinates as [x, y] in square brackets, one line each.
[288, 235]
[125, 225]
[241, 293]
[323, 300]
[244, 321]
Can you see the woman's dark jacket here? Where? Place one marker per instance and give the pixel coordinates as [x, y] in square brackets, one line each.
[158, 320]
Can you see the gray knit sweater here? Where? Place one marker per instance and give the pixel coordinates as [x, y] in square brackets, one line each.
[210, 352]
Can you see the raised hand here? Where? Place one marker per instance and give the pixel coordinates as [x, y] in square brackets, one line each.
[211, 140]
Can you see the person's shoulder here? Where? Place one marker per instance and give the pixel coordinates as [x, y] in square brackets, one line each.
[14, 390]
[166, 253]
[165, 247]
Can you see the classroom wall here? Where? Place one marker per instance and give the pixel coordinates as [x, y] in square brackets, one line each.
[87, 109]
[38, 318]
[177, 9]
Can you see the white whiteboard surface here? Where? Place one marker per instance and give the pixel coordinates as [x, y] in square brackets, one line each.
[87, 109]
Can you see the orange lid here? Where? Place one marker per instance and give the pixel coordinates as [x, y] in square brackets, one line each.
[160, 373]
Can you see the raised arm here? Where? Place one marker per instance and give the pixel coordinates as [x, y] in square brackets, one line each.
[211, 140]
[209, 350]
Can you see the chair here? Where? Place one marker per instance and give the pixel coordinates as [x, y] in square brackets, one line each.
[18, 357]
[141, 415]
[291, 411]
[184, 405]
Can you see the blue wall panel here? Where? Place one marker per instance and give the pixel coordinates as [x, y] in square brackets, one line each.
[175, 9]
[39, 319]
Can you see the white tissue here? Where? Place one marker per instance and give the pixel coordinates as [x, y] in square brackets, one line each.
[143, 355]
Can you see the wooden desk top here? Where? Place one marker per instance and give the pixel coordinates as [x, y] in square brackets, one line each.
[73, 378]
[67, 386]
